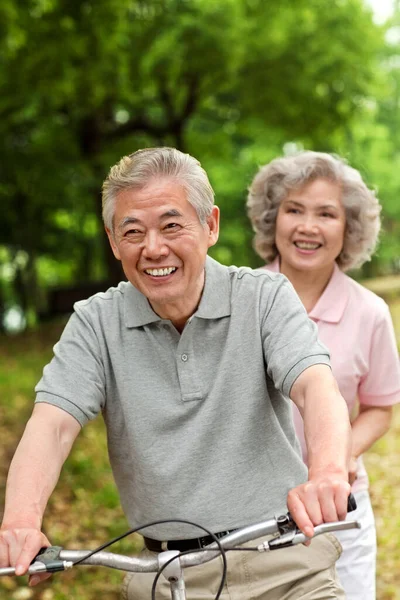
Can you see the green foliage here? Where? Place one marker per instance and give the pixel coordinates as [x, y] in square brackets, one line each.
[231, 82]
[306, 86]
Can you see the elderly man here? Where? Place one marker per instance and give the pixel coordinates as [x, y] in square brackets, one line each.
[192, 365]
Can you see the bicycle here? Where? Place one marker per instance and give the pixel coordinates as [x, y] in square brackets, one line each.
[171, 563]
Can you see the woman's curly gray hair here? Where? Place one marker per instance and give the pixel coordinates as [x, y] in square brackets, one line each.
[275, 180]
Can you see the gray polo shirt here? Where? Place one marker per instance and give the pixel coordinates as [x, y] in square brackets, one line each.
[199, 424]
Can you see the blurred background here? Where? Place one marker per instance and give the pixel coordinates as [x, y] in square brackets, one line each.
[233, 82]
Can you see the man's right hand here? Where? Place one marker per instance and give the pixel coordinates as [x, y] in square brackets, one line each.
[32, 477]
[18, 547]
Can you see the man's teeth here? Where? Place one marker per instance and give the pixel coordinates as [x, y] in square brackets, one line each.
[307, 245]
[160, 272]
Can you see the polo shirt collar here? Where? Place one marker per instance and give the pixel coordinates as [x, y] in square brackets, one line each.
[138, 311]
[216, 298]
[214, 303]
[332, 303]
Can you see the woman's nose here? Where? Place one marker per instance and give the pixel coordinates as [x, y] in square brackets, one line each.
[308, 224]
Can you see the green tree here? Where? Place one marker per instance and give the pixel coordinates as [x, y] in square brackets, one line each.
[371, 142]
[83, 83]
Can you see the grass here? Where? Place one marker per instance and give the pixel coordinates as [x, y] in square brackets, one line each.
[84, 510]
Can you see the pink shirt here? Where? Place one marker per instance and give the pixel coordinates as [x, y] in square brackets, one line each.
[356, 326]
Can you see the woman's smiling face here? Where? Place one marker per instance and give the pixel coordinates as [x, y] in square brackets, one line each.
[310, 227]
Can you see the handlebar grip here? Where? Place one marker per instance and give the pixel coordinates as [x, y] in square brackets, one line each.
[351, 503]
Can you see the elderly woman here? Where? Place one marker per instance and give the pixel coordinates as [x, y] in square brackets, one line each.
[314, 219]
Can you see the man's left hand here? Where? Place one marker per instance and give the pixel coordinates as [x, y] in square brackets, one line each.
[322, 499]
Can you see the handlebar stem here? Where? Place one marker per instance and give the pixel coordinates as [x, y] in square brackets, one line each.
[172, 571]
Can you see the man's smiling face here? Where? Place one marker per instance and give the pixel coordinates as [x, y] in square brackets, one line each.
[162, 245]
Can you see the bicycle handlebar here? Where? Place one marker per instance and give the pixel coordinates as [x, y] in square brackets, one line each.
[115, 561]
[57, 559]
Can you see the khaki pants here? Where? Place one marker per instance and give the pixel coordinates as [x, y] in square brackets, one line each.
[298, 573]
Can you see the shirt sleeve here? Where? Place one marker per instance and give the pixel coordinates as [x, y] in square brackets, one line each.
[74, 380]
[381, 385]
[290, 338]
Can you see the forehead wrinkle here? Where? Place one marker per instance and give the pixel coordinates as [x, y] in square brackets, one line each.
[297, 203]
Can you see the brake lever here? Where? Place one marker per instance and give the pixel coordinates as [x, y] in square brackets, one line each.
[46, 561]
[50, 559]
[294, 537]
[290, 534]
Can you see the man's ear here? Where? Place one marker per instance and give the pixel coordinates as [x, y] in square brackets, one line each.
[113, 244]
[213, 225]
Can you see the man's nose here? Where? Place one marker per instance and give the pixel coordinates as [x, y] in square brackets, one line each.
[154, 245]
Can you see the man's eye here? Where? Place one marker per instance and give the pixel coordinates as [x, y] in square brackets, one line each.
[132, 232]
[172, 226]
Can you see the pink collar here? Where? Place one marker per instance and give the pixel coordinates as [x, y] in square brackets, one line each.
[332, 303]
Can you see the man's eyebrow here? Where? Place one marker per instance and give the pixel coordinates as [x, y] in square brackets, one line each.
[173, 212]
[128, 221]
